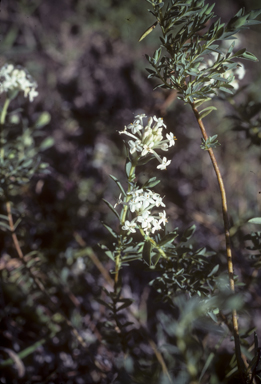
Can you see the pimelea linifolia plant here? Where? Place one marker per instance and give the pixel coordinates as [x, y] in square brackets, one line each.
[194, 60]
[19, 161]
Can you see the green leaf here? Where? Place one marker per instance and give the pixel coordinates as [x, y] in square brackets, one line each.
[249, 56]
[156, 55]
[240, 52]
[207, 12]
[214, 48]
[18, 221]
[160, 5]
[112, 208]
[214, 270]
[5, 226]
[236, 22]
[110, 230]
[168, 238]
[211, 142]
[255, 220]
[255, 341]
[43, 120]
[212, 138]
[131, 258]
[151, 72]
[231, 47]
[128, 167]
[199, 102]
[119, 184]
[126, 304]
[4, 217]
[146, 253]
[27, 351]
[156, 259]
[151, 183]
[47, 143]
[207, 364]
[179, 272]
[188, 234]
[148, 31]
[12, 93]
[145, 159]
[206, 112]
[228, 90]
[253, 14]
[109, 306]
[110, 255]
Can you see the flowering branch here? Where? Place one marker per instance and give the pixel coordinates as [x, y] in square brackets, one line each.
[145, 141]
[13, 80]
[188, 68]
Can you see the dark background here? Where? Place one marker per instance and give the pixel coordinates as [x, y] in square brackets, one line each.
[92, 81]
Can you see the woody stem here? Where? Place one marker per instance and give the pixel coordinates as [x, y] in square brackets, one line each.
[227, 236]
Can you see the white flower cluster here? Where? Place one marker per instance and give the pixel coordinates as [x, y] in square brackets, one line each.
[149, 138]
[142, 202]
[17, 78]
[238, 73]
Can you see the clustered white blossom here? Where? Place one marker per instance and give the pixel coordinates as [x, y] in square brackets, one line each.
[238, 73]
[17, 78]
[146, 139]
[142, 202]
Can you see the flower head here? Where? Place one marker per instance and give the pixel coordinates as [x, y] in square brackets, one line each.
[142, 203]
[14, 78]
[232, 75]
[147, 139]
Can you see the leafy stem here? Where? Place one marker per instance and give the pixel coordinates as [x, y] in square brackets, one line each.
[2, 121]
[123, 218]
[12, 228]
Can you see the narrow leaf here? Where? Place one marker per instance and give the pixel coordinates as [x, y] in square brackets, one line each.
[4, 217]
[199, 102]
[126, 304]
[112, 208]
[148, 31]
[214, 270]
[168, 238]
[249, 56]
[110, 230]
[43, 120]
[146, 253]
[128, 167]
[255, 220]
[119, 184]
[151, 183]
[240, 52]
[207, 364]
[5, 226]
[16, 359]
[188, 234]
[47, 143]
[18, 221]
[104, 303]
[110, 255]
[131, 258]
[228, 90]
[206, 112]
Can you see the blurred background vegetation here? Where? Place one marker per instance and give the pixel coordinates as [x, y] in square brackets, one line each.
[92, 81]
